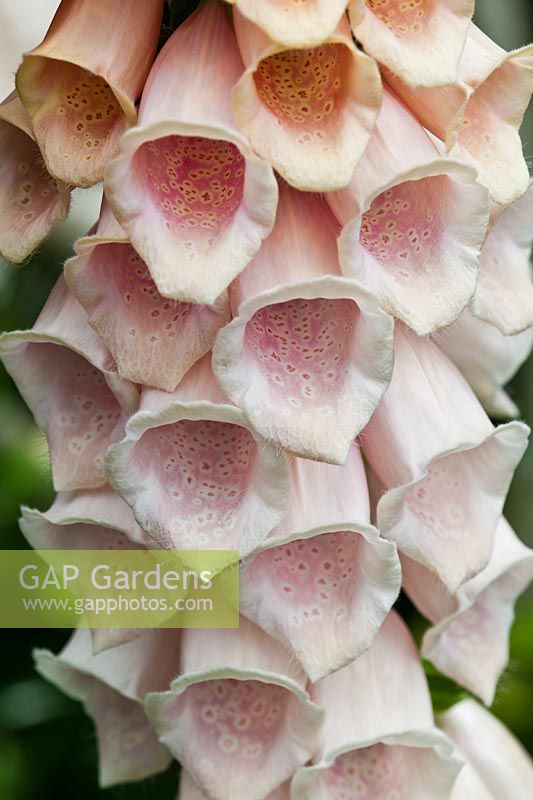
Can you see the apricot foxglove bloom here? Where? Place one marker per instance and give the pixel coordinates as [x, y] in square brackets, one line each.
[447, 471]
[414, 223]
[195, 473]
[308, 354]
[153, 340]
[323, 581]
[309, 111]
[191, 195]
[30, 200]
[189, 791]
[80, 84]
[63, 372]
[422, 42]
[379, 734]
[238, 718]
[111, 686]
[479, 114]
[498, 768]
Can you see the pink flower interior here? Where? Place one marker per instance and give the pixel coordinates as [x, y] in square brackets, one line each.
[405, 18]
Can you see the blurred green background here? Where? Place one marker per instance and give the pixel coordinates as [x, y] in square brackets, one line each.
[47, 745]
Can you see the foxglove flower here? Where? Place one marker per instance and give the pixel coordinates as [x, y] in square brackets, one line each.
[153, 340]
[422, 42]
[195, 473]
[472, 626]
[111, 686]
[414, 223]
[189, 791]
[444, 468]
[309, 353]
[323, 581]
[479, 114]
[308, 111]
[238, 718]
[30, 200]
[498, 767]
[379, 735]
[63, 371]
[186, 187]
[80, 84]
[487, 359]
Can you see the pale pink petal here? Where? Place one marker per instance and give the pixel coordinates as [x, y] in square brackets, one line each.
[64, 374]
[445, 468]
[414, 223]
[111, 686]
[153, 340]
[189, 791]
[309, 112]
[504, 293]
[195, 473]
[80, 84]
[500, 762]
[472, 627]
[487, 359]
[478, 115]
[323, 581]
[308, 355]
[30, 200]
[194, 199]
[379, 738]
[238, 718]
[421, 41]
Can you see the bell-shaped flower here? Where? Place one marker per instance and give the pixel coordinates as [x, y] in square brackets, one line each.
[420, 41]
[112, 685]
[294, 24]
[379, 737]
[238, 718]
[469, 637]
[80, 84]
[498, 767]
[308, 354]
[194, 199]
[153, 340]
[30, 200]
[309, 111]
[189, 791]
[323, 581]
[504, 293]
[63, 372]
[487, 359]
[195, 473]
[444, 468]
[413, 223]
[478, 115]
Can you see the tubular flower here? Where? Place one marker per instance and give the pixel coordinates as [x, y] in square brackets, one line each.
[413, 223]
[195, 473]
[445, 469]
[309, 353]
[309, 111]
[479, 114]
[419, 40]
[498, 768]
[63, 371]
[504, 293]
[238, 718]
[487, 359]
[323, 581]
[379, 735]
[111, 686]
[472, 626]
[153, 340]
[30, 200]
[187, 188]
[293, 23]
[189, 791]
[80, 84]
